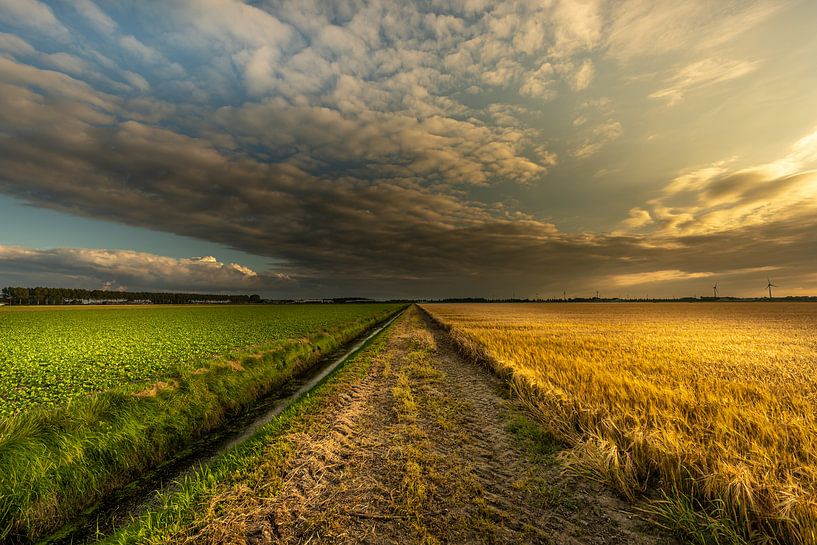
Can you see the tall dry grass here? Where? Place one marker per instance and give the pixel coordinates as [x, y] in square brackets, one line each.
[712, 403]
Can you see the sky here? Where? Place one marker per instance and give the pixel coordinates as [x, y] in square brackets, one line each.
[442, 148]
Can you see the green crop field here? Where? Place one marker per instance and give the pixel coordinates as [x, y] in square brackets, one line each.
[49, 355]
[91, 398]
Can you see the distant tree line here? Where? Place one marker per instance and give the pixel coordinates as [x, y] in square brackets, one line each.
[62, 296]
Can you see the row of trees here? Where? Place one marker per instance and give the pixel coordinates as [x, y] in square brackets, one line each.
[62, 296]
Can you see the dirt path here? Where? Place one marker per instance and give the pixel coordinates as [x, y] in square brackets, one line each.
[428, 449]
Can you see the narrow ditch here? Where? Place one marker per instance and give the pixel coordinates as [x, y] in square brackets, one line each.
[139, 495]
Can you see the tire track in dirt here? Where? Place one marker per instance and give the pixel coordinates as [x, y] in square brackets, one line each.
[341, 489]
[564, 509]
[422, 451]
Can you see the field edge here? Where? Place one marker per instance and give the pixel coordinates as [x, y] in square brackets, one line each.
[685, 515]
[262, 456]
[60, 461]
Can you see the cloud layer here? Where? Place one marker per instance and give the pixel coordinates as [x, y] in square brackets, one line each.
[125, 269]
[382, 146]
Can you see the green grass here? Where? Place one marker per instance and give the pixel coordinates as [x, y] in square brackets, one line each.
[48, 357]
[541, 445]
[57, 461]
[262, 458]
[694, 523]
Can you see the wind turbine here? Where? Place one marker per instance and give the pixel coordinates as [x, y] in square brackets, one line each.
[715, 290]
[769, 286]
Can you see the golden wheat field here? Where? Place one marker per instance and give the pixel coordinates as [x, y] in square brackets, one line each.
[714, 405]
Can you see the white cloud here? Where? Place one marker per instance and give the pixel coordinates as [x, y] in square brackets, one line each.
[95, 16]
[15, 45]
[260, 70]
[54, 84]
[653, 277]
[540, 84]
[721, 197]
[577, 27]
[139, 270]
[583, 76]
[143, 52]
[246, 271]
[597, 137]
[701, 74]
[136, 80]
[803, 154]
[638, 218]
[645, 28]
[33, 15]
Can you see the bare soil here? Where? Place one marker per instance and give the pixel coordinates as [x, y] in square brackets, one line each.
[429, 448]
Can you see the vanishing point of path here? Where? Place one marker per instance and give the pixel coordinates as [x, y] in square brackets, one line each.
[425, 448]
